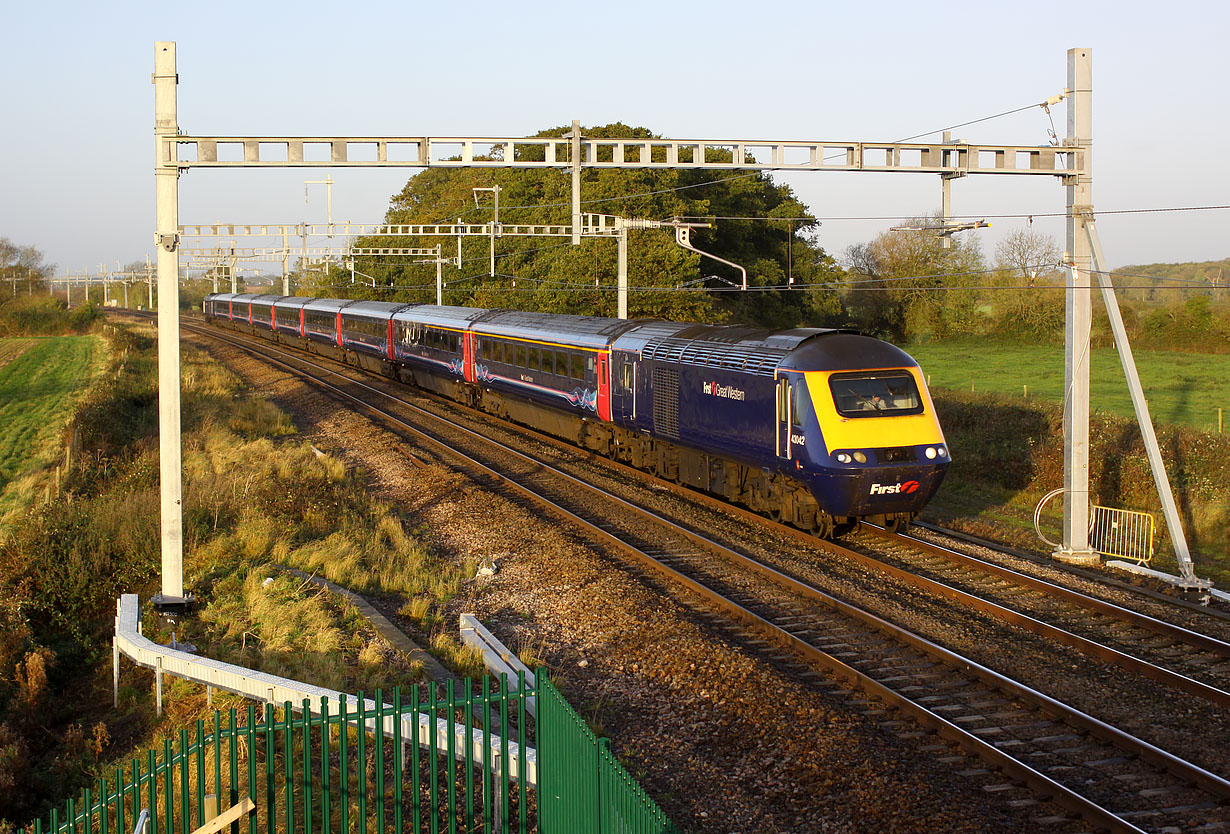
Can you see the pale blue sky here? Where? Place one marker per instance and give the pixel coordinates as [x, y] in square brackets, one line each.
[77, 144]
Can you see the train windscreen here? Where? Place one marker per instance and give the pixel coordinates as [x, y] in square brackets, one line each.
[875, 394]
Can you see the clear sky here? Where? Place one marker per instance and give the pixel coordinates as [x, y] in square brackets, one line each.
[77, 141]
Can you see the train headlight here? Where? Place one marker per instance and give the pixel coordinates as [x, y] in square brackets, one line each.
[842, 457]
[943, 452]
[930, 453]
[860, 457]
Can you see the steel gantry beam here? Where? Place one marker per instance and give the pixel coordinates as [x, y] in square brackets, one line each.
[592, 225]
[953, 159]
[259, 253]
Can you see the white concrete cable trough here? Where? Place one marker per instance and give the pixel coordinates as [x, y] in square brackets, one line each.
[497, 657]
[271, 689]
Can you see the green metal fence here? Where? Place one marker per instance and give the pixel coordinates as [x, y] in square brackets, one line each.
[335, 772]
[581, 785]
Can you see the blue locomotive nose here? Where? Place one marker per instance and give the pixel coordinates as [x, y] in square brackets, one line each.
[872, 491]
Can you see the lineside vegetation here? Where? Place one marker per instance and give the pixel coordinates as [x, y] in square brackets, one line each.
[1008, 453]
[257, 499]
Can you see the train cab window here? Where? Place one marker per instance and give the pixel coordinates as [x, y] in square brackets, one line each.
[627, 376]
[876, 394]
[578, 366]
[801, 412]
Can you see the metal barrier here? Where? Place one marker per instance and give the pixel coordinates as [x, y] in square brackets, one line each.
[496, 656]
[583, 786]
[271, 689]
[323, 769]
[1127, 534]
[1124, 533]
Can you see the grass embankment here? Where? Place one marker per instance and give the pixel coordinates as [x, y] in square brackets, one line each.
[1008, 453]
[1182, 388]
[256, 498]
[40, 381]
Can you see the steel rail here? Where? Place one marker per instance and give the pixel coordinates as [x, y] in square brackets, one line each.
[1093, 576]
[1045, 629]
[1184, 635]
[1062, 795]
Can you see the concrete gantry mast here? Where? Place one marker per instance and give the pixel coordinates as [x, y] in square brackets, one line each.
[1078, 318]
[166, 178]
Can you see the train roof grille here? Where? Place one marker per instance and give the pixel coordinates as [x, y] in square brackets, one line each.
[756, 360]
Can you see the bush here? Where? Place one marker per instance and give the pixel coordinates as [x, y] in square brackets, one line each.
[43, 316]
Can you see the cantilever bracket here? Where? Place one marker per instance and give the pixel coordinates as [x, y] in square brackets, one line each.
[683, 236]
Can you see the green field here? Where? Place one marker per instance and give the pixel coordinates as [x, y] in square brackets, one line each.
[37, 389]
[1182, 388]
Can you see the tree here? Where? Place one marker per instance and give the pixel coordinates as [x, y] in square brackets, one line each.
[22, 269]
[1028, 303]
[667, 281]
[906, 285]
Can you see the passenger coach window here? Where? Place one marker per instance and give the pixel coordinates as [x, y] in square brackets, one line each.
[520, 356]
[578, 366]
[533, 365]
[875, 394]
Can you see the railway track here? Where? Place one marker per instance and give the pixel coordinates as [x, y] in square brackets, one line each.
[1190, 661]
[1109, 778]
[1109, 584]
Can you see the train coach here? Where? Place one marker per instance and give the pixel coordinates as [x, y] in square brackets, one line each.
[818, 428]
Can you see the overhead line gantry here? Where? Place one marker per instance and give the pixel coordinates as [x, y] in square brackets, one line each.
[1069, 162]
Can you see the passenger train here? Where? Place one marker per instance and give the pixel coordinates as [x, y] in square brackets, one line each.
[817, 428]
